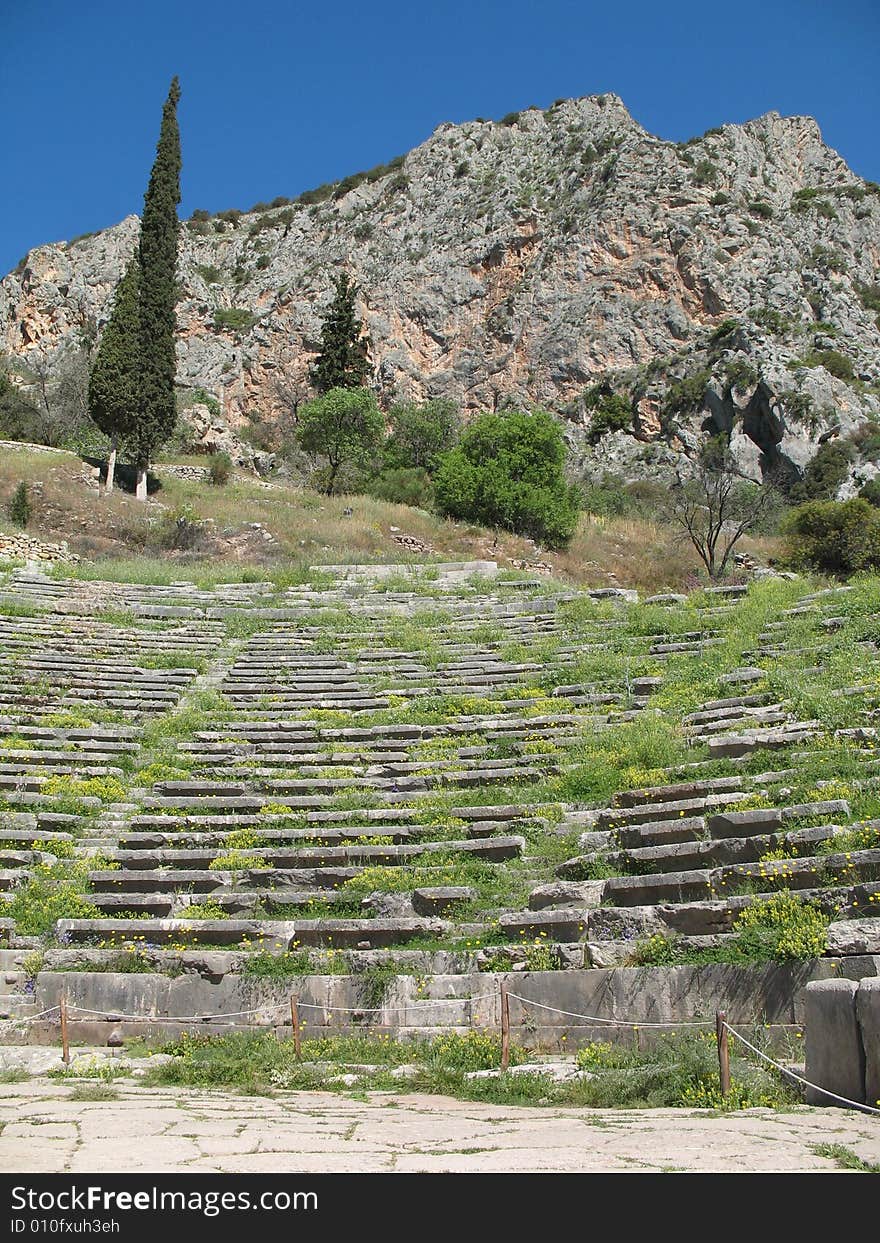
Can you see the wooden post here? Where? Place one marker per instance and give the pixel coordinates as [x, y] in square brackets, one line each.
[65, 1046]
[723, 1051]
[294, 1022]
[505, 1028]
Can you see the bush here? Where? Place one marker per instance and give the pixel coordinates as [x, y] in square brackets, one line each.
[870, 492]
[823, 475]
[19, 418]
[402, 486]
[760, 207]
[686, 394]
[420, 433]
[233, 319]
[20, 505]
[53, 892]
[833, 361]
[612, 412]
[219, 468]
[508, 471]
[839, 538]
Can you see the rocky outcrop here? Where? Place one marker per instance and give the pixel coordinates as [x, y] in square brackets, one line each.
[519, 263]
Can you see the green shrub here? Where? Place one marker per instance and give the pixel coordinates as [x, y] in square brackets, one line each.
[705, 173]
[219, 468]
[720, 336]
[402, 486]
[420, 433]
[839, 538]
[741, 374]
[686, 394]
[201, 397]
[508, 472]
[233, 319]
[833, 361]
[608, 497]
[870, 492]
[54, 891]
[19, 418]
[612, 412]
[20, 505]
[760, 207]
[824, 473]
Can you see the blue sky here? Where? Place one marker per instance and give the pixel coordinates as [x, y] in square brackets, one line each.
[280, 96]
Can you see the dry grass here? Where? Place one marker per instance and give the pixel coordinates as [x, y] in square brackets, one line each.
[311, 529]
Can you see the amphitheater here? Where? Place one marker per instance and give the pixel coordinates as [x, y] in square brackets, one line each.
[386, 791]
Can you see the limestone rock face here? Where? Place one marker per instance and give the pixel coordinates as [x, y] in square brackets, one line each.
[522, 263]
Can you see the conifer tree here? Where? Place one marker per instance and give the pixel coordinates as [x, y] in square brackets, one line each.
[114, 380]
[343, 361]
[156, 414]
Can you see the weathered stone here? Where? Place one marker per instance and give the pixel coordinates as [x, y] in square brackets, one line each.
[854, 936]
[833, 1043]
[441, 898]
[868, 1014]
[583, 894]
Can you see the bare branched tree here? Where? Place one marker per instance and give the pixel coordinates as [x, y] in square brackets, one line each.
[716, 507]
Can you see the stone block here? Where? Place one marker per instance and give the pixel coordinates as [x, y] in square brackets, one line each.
[868, 1015]
[854, 936]
[834, 1051]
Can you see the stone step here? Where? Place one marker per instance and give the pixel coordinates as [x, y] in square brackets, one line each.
[267, 934]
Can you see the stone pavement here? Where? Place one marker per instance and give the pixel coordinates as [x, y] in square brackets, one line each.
[44, 1130]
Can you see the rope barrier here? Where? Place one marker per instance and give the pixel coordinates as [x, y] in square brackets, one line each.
[204, 1018]
[116, 1016]
[32, 1018]
[594, 1018]
[800, 1079]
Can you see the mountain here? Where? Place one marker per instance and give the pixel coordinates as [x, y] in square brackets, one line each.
[561, 258]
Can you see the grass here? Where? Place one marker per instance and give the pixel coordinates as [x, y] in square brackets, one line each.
[308, 530]
[845, 1158]
[678, 1072]
[94, 1092]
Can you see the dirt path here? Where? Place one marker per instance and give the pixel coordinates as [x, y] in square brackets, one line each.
[153, 1130]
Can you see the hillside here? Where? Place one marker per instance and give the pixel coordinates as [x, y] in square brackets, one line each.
[554, 258]
[252, 526]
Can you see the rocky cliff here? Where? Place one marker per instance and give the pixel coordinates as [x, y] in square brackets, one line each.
[556, 258]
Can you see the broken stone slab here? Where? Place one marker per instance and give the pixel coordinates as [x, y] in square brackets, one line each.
[678, 809]
[835, 1057]
[557, 925]
[557, 1071]
[661, 832]
[756, 820]
[853, 936]
[748, 673]
[732, 746]
[582, 894]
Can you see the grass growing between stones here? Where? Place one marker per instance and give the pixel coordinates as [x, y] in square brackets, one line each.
[846, 1159]
[678, 1072]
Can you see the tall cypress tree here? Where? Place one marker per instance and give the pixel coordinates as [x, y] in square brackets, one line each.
[343, 361]
[160, 228]
[114, 382]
